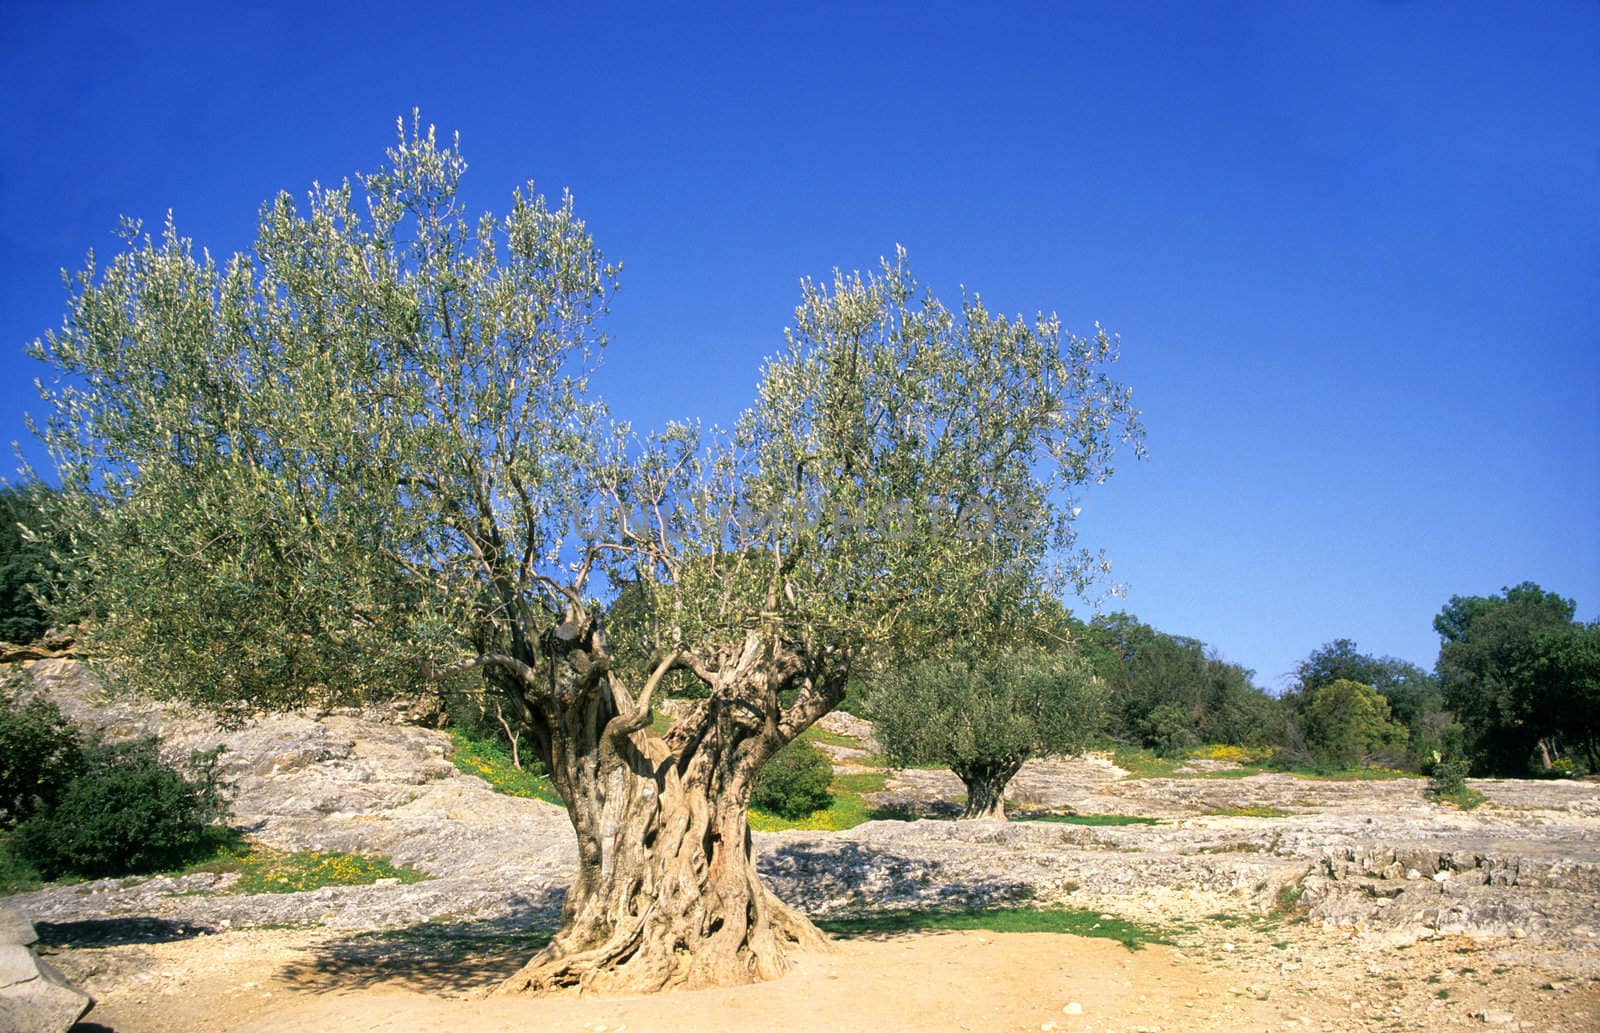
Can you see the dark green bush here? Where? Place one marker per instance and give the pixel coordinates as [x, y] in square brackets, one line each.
[40, 753]
[126, 813]
[1447, 770]
[22, 563]
[794, 782]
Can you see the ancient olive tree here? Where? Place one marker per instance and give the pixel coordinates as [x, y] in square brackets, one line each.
[366, 458]
[984, 716]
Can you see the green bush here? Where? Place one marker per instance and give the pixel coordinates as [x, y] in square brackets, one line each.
[24, 561]
[1447, 772]
[1169, 731]
[794, 782]
[40, 753]
[126, 813]
[1346, 724]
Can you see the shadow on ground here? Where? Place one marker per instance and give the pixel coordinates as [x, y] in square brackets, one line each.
[858, 879]
[440, 957]
[116, 932]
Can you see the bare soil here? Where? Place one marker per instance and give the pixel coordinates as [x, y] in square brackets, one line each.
[1295, 978]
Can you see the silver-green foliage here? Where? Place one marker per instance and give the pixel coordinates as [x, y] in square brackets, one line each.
[330, 462]
[987, 712]
[907, 474]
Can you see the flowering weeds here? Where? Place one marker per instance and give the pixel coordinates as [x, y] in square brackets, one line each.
[264, 870]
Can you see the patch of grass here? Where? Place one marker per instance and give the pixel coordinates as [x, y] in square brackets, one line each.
[16, 875]
[1247, 812]
[490, 760]
[1464, 799]
[821, 735]
[1141, 763]
[1229, 919]
[1068, 921]
[1233, 754]
[1091, 819]
[848, 809]
[264, 870]
[1288, 901]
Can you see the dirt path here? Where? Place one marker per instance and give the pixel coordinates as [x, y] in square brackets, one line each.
[310, 981]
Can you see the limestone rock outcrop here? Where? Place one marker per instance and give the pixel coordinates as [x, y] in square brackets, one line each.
[34, 997]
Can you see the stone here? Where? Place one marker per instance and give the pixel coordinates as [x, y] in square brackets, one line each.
[11, 653]
[1072, 1008]
[16, 965]
[1493, 1017]
[34, 997]
[15, 927]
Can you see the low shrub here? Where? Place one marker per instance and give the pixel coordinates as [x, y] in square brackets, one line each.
[40, 754]
[126, 813]
[1447, 771]
[794, 782]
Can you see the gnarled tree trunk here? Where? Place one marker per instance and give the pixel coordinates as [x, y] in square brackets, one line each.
[986, 787]
[666, 894]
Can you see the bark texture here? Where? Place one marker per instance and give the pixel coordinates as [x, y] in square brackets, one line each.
[986, 783]
[666, 893]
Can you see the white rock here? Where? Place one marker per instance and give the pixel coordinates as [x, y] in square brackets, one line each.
[1073, 1008]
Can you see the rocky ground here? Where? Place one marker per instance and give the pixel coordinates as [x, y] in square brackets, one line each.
[1358, 905]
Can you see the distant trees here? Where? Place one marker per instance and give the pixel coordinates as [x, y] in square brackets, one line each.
[25, 546]
[1347, 723]
[1411, 693]
[1167, 693]
[983, 716]
[1523, 678]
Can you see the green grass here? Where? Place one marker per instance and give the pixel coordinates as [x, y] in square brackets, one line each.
[848, 809]
[260, 869]
[490, 760]
[1247, 812]
[1464, 798]
[1091, 819]
[16, 875]
[826, 738]
[1142, 763]
[264, 870]
[1068, 921]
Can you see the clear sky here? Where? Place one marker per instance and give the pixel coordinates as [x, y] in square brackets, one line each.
[1353, 249]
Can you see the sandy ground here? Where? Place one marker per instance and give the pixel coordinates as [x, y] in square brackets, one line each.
[308, 981]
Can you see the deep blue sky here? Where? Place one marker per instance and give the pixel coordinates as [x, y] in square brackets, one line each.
[1353, 250]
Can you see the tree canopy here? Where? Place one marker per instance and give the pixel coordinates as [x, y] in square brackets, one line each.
[365, 458]
[1169, 693]
[1412, 694]
[986, 714]
[1523, 678]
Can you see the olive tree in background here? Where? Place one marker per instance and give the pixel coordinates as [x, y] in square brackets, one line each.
[365, 459]
[984, 716]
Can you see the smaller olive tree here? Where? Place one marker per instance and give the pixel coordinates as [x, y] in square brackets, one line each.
[984, 716]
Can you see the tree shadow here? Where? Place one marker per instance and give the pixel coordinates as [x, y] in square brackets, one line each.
[438, 957]
[117, 932]
[855, 881]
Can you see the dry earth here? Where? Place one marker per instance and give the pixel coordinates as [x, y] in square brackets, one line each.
[1410, 915]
